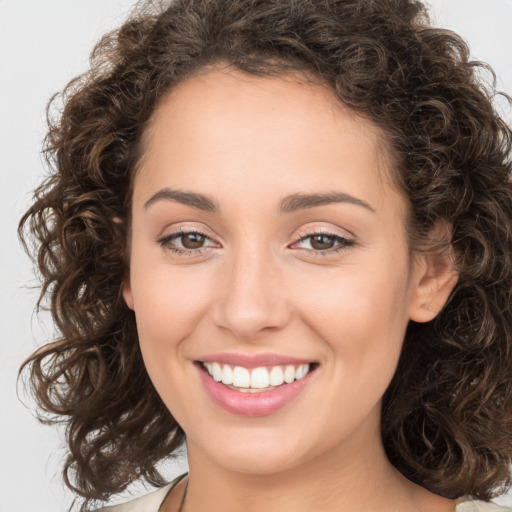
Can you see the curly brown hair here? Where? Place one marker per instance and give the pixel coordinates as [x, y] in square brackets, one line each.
[447, 415]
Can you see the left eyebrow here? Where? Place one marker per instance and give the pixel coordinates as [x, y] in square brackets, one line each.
[297, 202]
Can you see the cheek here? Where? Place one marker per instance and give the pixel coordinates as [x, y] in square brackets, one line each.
[361, 314]
[168, 306]
[356, 299]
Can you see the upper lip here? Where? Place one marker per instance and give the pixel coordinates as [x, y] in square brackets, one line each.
[252, 361]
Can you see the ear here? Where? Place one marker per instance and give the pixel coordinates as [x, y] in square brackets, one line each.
[126, 287]
[433, 279]
[127, 293]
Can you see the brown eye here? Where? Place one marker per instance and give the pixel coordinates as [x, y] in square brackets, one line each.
[190, 243]
[322, 242]
[192, 240]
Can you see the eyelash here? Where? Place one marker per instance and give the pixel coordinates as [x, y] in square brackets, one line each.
[343, 242]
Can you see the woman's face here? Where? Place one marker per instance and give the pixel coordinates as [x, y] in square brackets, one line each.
[266, 237]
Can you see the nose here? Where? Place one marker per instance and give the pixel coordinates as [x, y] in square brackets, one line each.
[252, 300]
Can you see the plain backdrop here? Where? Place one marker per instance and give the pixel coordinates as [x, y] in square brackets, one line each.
[43, 44]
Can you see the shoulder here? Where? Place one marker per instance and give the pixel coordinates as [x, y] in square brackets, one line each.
[480, 506]
[150, 502]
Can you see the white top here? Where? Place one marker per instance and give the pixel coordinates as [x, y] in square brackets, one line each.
[151, 503]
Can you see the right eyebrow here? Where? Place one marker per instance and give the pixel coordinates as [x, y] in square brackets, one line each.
[297, 202]
[193, 199]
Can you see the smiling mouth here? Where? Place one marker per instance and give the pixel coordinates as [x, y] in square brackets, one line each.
[256, 380]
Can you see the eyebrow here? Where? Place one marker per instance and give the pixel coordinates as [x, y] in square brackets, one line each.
[289, 204]
[193, 199]
[296, 202]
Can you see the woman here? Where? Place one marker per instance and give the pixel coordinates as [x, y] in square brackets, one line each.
[280, 231]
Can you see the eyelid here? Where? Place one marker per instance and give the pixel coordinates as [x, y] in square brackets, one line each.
[320, 230]
[184, 229]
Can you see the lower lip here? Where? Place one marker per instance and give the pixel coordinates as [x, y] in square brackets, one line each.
[252, 404]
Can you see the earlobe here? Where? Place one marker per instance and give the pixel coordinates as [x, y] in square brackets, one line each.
[127, 293]
[434, 278]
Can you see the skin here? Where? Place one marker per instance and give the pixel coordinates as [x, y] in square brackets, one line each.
[260, 286]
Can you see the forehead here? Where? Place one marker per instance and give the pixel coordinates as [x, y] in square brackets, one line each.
[285, 101]
[226, 130]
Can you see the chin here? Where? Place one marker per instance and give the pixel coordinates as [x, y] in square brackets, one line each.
[256, 453]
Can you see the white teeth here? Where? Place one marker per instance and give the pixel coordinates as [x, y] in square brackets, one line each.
[276, 376]
[216, 372]
[241, 377]
[301, 371]
[227, 374]
[258, 378]
[289, 374]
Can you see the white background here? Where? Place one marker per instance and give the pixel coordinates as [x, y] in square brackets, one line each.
[43, 44]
